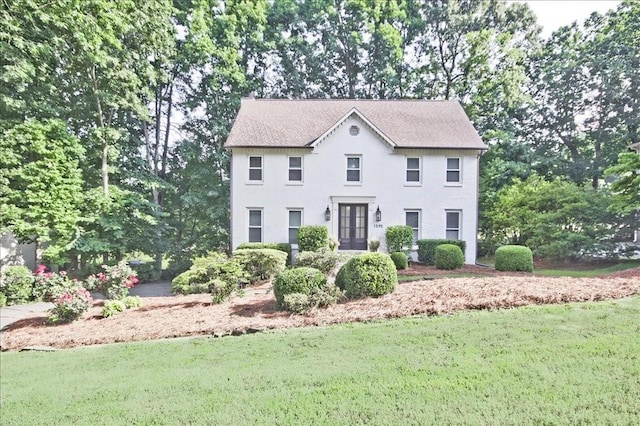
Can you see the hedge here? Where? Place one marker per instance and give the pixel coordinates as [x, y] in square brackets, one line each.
[514, 258]
[261, 264]
[298, 280]
[285, 247]
[449, 256]
[313, 238]
[399, 238]
[427, 249]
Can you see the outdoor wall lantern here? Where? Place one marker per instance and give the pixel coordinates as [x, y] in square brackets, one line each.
[327, 214]
[378, 214]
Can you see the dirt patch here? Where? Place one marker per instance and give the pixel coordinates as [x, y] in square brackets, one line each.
[164, 317]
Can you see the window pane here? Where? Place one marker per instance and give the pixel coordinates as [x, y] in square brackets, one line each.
[453, 176]
[295, 162]
[255, 174]
[412, 219]
[293, 235]
[353, 175]
[295, 218]
[413, 176]
[413, 163]
[255, 235]
[452, 220]
[255, 161]
[453, 163]
[255, 218]
[295, 175]
[452, 235]
[353, 163]
[415, 236]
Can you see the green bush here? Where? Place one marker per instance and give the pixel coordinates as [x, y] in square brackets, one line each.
[313, 238]
[214, 273]
[131, 302]
[261, 264]
[285, 247]
[297, 303]
[514, 258]
[3, 300]
[399, 238]
[70, 304]
[449, 256]
[17, 284]
[298, 280]
[400, 260]
[323, 296]
[112, 308]
[369, 274]
[146, 272]
[427, 249]
[323, 260]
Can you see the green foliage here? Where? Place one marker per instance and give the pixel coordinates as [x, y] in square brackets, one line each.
[626, 175]
[298, 280]
[70, 304]
[3, 300]
[261, 264]
[146, 272]
[556, 219]
[399, 238]
[400, 260]
[313, 238]
[369, 274]
[48, 284]
[114, 282]
[323, 260]
[113, 307]
[427, 249]
[296, 303]
[214, 273]
[449, 256]
[131, 302]
[514, 258]
[17, 284]
[285, 247]
[323, 296]
[374, 244]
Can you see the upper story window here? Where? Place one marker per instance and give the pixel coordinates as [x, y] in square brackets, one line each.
[255, 169]
[412, 219]
[413, 169]
[354, 168]
[295, 169]
[453, 224]
[453, 170]
[295, 222]
[255, 226]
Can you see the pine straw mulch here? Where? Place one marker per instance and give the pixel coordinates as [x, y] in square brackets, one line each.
[194, 315]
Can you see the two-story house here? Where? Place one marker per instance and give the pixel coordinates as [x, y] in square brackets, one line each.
[356, 167]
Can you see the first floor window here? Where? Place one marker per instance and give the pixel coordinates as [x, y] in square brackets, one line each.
[255, 169]
[353, 169]
[412, 219]
[295, 169]
[295, 221]
[413, 169]
[255, 226]
[453, 225]
[453, 170]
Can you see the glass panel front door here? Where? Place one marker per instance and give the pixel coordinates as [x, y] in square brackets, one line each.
[353, 226]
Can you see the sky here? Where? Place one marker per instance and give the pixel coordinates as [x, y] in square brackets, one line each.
[552, 14]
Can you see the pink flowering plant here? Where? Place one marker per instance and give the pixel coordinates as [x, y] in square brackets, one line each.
[48, 284]
[70, 304]
[114, 282]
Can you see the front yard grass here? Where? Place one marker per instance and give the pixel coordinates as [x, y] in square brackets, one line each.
[561, 364]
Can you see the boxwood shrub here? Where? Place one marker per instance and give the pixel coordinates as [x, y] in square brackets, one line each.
[449, 256]
[285, 247]
[298, 280]
[214, 273]
[313, 238]
[514, 258]
[400, 260]
[323, 260]
[399, 238]
[261, 264]
[369, 274]
[17, 284]
[427, 249]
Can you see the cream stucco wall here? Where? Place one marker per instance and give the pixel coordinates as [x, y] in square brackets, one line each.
[383, 172]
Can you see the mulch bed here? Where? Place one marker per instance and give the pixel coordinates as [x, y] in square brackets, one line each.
[194, 315]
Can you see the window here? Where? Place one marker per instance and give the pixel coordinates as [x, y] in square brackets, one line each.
[453, 170]
[255, 226]
[255, 169]
[412, 219]
[295, 169]
[453, 225]
[295, 221]
[413, 170]
[353, 169]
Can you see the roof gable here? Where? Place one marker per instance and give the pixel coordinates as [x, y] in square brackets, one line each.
[348, 115]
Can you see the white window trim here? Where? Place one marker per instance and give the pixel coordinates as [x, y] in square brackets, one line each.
[289, 227]
[249, 226]
[353, 182]
[419, 211]
[459, 228]
[249, 168]
[447, 170]
[295, 182]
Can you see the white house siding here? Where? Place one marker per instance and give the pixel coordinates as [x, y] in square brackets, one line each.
[14, 253]
[383, 185]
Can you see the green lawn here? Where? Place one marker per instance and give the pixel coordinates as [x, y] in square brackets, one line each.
[590, 272]
[566, 364]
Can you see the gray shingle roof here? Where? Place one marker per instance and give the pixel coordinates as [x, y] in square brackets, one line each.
[278, 123]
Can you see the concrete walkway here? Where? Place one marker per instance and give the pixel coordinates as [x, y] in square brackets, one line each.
[11, 314]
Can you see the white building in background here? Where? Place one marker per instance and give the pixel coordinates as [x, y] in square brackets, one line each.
[14, 253]
[356, 167]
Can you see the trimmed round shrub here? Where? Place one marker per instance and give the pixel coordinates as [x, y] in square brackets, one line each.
[370, 274]
[399, 238]
[449, 256]
[400, 260]
[514, 258]
[323, 260]
[298, 280]
[313, 238]
[17, 284]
